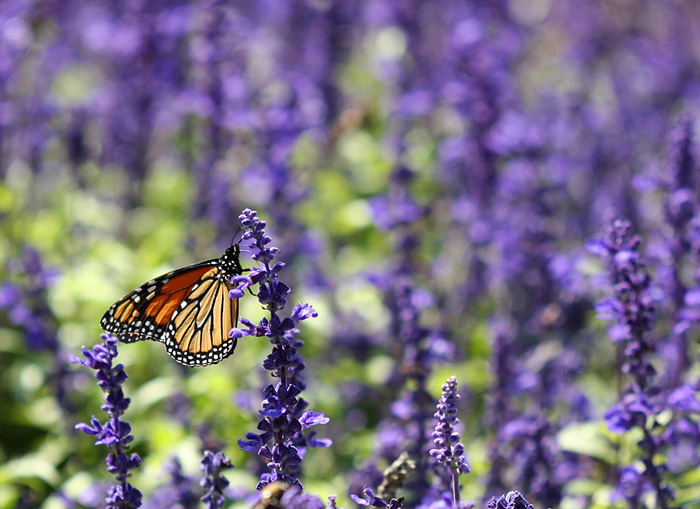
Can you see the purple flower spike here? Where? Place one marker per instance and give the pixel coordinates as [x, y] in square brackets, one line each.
[448, 451]
[511, 500]
[27, 302]
[215, 483]
[632, 308]
[115, 433]
[282, 442]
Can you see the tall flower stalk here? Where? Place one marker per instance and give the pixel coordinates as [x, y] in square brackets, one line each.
[633, 310]
[281, 442]
[417, 348]
[213, 481]
[25, 296]
[115, 433]
[681, 213]
[449, 451]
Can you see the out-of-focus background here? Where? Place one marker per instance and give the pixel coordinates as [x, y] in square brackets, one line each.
[431, 172]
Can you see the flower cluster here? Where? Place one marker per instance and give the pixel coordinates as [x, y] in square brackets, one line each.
[633, 310]
[448, 450]
[115, 433]
[417, 348]
[511, 500]
[179, 491]
[632, 306]
[282, 441]
[25, 297]
[213, 482]
[534, 451]
[371, 500]
[27, 302]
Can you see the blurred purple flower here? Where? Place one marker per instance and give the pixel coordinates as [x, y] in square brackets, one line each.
[676, 250]
[177, 492]
[632, 306]
[633, 309]
[398, 206]
[27, 303]
[416, 348]
[631, 486]
[524, 446]
[500, 404]
[213, 482]
[535, 454]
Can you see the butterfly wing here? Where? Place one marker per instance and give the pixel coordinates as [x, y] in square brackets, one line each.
[198, 334]
[188, 309]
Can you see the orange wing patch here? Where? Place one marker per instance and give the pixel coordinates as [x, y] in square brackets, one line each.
[163, 307]
[188, 278]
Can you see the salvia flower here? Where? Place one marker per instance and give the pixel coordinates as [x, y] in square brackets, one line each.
[26, 300]
[27, 303]
[407, 428]
[535, 454]
[511, 500]
[448, 450]
[115, 433]
[371, 500]
[631, 486]
[674, 252]
[632, 309]
[282, 441]
[213, 482]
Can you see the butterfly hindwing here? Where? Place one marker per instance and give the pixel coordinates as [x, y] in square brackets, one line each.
[198, 331]
[188, 309]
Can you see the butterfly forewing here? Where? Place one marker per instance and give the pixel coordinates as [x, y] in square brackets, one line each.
[188, 309]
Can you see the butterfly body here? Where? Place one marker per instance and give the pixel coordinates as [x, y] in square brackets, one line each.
[188, 310]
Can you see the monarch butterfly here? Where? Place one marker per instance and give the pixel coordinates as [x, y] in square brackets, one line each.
[188, 310]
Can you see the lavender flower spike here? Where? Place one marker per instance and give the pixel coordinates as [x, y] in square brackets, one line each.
[282, 441]
[115, 433]
[632, 307]
[511, 500]
[213, 481]
[448, 450]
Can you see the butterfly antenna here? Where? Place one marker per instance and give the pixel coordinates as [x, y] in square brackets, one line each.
[238, 230]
